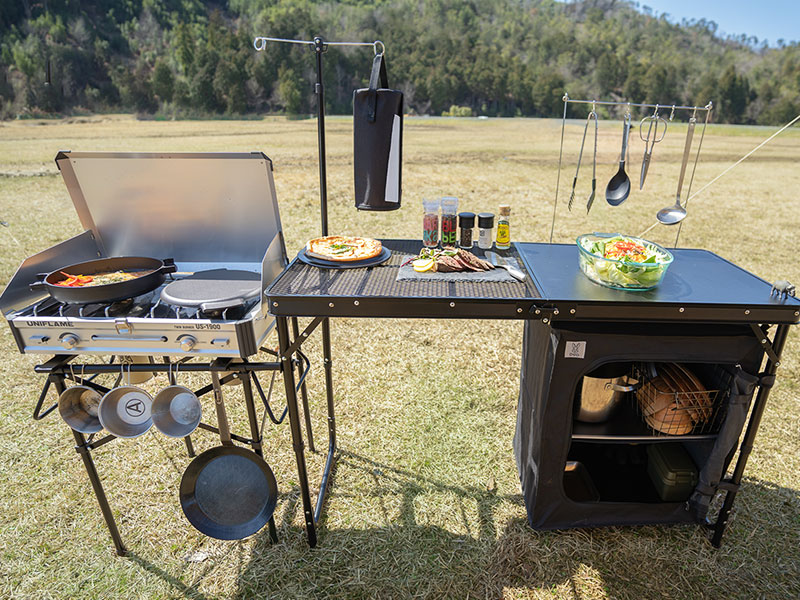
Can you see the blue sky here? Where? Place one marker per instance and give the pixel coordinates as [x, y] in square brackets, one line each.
[765, 19]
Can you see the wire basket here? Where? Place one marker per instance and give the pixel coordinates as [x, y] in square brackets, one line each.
[672, 400]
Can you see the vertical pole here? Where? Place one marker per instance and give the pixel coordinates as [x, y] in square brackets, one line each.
[558, 176]
[319, 48]
[82, 449]
[749, 437]
[294, 424]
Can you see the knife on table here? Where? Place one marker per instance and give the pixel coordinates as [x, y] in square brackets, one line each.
[497, 261]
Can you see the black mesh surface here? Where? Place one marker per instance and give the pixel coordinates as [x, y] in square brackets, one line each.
[381, 280]
[232, 489]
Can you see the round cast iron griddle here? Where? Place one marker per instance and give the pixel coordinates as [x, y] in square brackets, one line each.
[153, 273]
[228, 493]
[385, 255]
[214, 289]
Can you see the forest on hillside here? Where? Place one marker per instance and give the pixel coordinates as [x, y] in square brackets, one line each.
[193, 58]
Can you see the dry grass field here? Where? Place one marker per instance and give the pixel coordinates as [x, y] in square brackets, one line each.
[425, 500]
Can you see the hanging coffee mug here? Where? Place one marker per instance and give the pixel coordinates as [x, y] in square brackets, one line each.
[176, 411]
[78, 407]
[126, 411]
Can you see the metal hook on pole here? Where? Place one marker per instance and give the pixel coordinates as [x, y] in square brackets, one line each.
[375, 45]
[672, 113]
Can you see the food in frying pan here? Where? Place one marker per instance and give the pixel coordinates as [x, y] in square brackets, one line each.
[96, 279]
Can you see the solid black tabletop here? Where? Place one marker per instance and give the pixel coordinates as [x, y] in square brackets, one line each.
[697, 280]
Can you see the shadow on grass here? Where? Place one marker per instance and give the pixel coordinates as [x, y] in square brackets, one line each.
[187, 591]
[404, 557]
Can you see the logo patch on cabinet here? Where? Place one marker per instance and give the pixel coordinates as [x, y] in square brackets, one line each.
[575, 349]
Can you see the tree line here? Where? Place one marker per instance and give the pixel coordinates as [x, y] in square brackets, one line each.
[190, 58]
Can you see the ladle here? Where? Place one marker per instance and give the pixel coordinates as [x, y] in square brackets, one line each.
[677, 213]
[619, 187]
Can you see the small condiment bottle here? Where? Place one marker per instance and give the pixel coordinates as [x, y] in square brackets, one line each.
[449, 228]
[503, 229]
[430, 222]
[485, 227]
[466, 222]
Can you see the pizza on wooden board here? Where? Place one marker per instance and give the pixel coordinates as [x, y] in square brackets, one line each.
[343, 248]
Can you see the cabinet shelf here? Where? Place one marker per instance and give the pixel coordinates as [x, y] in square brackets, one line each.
[626, 426]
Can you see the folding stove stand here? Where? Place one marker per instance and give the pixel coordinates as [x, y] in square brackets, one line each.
[59, 369]
[699, 288]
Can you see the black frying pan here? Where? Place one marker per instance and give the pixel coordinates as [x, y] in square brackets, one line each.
[152, 275]
[227, 492]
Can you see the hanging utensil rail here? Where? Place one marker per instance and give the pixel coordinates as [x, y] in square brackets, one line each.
[569, 100]
[672, 107]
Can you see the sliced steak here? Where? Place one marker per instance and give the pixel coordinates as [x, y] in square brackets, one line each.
[466, 265]
[476, 264]
[448, 264]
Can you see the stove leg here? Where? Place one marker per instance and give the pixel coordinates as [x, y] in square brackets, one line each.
[297, 434]
[303, 392]
[189, 446]
[81, 448]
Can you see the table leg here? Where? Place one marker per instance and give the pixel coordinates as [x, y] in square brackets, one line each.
[749, 437]
[304, 392]
[294, 424]
[326, 353]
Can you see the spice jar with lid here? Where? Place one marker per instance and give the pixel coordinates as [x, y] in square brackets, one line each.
[430, 222]
[485, 227]
[449, 209]
[466, 222]
[503, 229]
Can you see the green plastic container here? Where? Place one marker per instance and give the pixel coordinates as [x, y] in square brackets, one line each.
[671, 470]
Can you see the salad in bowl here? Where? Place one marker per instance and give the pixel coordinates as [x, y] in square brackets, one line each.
[622, 262]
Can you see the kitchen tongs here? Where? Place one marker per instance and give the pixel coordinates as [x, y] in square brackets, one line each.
[592, 115]
[650, 141]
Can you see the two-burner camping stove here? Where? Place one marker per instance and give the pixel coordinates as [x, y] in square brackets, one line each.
[216, 216]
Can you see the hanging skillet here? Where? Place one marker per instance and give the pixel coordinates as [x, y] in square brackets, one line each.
[148, 274]
[227, 492]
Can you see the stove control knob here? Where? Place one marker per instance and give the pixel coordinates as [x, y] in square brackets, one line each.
[69, 340]
[187, 342]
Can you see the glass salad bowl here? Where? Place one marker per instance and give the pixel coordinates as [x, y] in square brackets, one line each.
[622, 262]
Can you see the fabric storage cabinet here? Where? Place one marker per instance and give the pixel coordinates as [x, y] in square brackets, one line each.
[549, 442]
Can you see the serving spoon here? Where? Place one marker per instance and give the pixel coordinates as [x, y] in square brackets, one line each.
[677, 213]
[619, 187]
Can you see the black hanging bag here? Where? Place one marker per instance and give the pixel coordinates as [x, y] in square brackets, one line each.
[377, 141]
